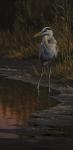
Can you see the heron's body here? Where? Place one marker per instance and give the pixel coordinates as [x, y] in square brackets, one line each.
[47, 51]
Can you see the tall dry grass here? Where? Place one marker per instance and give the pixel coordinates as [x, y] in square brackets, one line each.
[22, 45]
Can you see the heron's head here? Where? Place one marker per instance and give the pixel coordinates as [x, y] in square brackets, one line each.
[45, 31]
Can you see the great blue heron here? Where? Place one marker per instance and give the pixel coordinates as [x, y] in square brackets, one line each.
[47, 51]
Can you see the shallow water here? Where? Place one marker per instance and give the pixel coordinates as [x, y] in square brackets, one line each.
[18, 101]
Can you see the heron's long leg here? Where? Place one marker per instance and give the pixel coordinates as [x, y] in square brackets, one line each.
[49, 77]
[40, 79]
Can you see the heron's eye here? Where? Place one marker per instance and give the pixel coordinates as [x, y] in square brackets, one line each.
[45, 30]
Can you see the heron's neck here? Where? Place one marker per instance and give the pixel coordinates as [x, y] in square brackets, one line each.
[45, 39]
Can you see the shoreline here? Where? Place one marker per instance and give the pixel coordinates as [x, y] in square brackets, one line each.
[49, 129]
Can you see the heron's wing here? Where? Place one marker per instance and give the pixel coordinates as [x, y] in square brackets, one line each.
[50, 46]
[47, 53]
[44, 53]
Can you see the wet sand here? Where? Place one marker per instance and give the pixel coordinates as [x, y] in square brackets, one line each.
[49, 129]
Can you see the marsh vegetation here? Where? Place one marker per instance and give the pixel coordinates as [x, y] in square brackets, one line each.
[21, 19]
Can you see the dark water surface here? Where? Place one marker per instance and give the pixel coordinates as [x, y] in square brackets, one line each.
[18, 101]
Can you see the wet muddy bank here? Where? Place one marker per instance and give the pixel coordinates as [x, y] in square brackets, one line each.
[48, 129]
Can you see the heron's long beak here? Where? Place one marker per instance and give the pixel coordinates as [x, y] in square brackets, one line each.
[37, 34]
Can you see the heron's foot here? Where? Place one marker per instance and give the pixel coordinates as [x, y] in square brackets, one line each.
[38, 86]
[38, 89]
[49, 91]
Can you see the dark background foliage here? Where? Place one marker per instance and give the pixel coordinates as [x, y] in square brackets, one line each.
[7, 14]
[30, 13]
